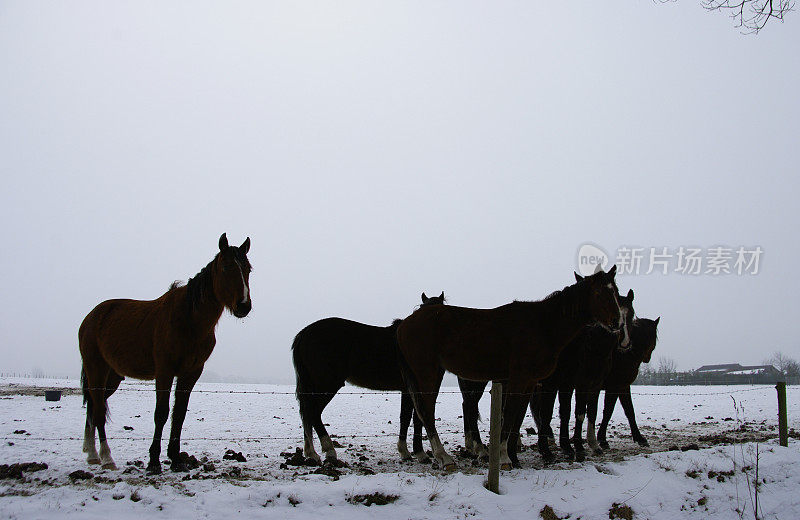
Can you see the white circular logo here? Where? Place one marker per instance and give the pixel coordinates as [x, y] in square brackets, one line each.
[590, 257]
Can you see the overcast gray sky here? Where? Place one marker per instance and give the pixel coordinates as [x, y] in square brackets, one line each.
[375, 150]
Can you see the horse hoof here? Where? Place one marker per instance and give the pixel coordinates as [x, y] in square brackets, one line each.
[93, 460]
[598, 451]
[604, 445]
[643, 442]
[580, 456]
[154, 469]
[109, 465]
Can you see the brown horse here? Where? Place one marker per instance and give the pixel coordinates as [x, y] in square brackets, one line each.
[171, 336]
[518, 343]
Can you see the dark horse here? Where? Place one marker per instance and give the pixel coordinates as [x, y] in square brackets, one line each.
[518, 343]
[582, 368]
[617, 384]
[171, 336]
[334, 350]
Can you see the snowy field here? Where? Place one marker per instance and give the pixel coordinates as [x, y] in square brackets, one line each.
[261, 422]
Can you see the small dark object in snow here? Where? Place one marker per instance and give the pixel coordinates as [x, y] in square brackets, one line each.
[190, 461]
[620, 511]
[129, 428]
[19, 432]
[329, 470]
[15, 471]
[673, 448]
[336, 444]
[80, 475]
[209, 466]
[690, 447]
[234, 455]
[234, 472]
[377, 498]
[532, 431]
[117, 496]
[137, 463]
[547, 513]
[135, 497]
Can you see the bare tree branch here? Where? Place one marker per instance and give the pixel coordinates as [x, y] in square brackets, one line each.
[751, 15]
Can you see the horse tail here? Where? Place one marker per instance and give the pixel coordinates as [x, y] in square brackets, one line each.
[405, 369]
[87, 398]
[304, 389]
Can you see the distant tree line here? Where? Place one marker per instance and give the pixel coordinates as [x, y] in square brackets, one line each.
[778, 367]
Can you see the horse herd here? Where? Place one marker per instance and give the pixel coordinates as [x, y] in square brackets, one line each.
[580, 339]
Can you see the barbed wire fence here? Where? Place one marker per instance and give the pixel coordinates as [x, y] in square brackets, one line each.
[149, 389]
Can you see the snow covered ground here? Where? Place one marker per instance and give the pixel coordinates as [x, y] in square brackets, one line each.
[261, 422]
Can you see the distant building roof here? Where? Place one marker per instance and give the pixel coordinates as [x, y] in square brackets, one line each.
[720, 368]
[736, 367]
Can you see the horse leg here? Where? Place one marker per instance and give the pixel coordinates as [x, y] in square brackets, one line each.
[564, 409]
[96, 378]
[406, 411]
[183, 389]
[163, 387]
[608, 410]
[112, 383]
[546, 401]
[471, 392]
[514, 433]
[591, 420]
[326, 444]
[516, 403]
[627, 405]
[580, 414]
[419, 451]
[308, 413]
[424, 391]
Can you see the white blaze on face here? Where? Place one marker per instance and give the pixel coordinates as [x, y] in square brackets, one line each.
[245, 289]
[623, 316]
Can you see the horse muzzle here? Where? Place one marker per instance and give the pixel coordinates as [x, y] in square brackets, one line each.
[242, 309]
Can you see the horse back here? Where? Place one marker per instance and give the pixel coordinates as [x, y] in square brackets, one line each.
[123, 333]
[334, 350]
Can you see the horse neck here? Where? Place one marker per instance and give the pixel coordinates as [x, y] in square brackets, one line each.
[203, 308]
[568, 314]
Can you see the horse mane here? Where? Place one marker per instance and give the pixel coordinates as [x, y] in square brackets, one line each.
[200, 287]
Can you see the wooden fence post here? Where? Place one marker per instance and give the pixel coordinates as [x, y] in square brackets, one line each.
[493, 481]
[783, 421]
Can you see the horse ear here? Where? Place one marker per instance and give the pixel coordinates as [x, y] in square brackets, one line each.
[578, 277]
[630, 294]
[598, 269]
[658, 319]
[245, 247]
[223, 242]
[442, 296]
[613, 271]
[424, 298]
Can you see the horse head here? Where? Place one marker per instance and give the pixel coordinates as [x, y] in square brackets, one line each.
[645, 334]
[433, 300]
[232, 277]
[604, 306]
[627, 312]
